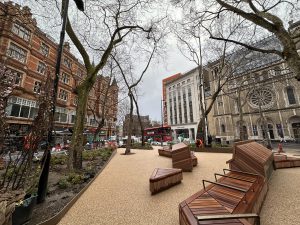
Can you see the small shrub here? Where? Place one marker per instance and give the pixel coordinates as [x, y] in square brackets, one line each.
[63, 184]
[75, 178]
[58, 160]
[147, 146]
[105, 153]
[89, 155]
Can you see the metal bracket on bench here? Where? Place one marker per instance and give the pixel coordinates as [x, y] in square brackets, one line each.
[229, 216]
[226, 186]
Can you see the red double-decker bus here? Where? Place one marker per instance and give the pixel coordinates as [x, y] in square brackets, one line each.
[156, 133]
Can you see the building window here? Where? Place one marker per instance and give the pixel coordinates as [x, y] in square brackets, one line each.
[63, 95]
[79, 73]
[67, 62]
[20, 107]
[41, 68]
[17, 53]
[44, 49]
[37, 87]
[279, 130]
[223, 128]
[93, 122]
[21, 31]
[75, 100]
[18, 77]
[65, 78]
[220, 103]
[254, 129]
[61, 115]
[291, 95]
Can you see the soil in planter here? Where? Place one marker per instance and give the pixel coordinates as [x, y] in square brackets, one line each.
[60, 193]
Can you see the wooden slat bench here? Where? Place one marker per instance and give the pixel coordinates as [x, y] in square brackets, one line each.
[233, 193]
[284, 161]
[163, 178]
[250, 156]
[165, 151]
[182, 157]
[236, 193]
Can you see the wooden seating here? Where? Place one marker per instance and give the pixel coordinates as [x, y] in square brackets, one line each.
[165, 151]
[182, 157]
[284, 161]
[249, 156]
[163, 178]
[236, 196]
[234, 192]
[194, 159]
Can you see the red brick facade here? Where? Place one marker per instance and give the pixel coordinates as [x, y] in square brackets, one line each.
[28, 51]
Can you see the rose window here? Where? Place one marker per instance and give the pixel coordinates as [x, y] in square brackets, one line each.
[263, 97]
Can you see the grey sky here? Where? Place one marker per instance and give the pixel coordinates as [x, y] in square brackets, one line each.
[151, 88]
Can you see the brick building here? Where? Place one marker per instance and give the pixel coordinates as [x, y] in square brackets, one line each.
[30, 53]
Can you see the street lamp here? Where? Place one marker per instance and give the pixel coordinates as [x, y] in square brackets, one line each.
[43, 181]
[162, 121]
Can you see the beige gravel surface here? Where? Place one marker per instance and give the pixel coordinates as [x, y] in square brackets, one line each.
[282, 204]
[120, 194]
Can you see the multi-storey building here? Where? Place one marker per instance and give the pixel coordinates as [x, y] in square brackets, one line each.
[31, 54]
[182, 104]
[263, 85]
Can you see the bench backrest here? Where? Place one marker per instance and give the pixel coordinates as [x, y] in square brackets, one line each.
[250, 156]
[181, 157]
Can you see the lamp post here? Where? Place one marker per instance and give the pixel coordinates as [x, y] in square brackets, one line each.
[162, 121]
[43, 181]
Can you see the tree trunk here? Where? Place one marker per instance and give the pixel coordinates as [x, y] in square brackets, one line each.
[140, 121]
[75, 152]
[128, 144]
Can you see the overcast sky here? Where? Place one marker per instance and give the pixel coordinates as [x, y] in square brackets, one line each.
[151, 88]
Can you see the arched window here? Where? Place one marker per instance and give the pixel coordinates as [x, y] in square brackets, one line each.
[223, 128]
[291, 95]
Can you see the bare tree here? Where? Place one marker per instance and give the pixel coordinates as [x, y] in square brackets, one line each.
[259, 18]
[7, 84]
[104, 26]
[195, 48]
[132, 91]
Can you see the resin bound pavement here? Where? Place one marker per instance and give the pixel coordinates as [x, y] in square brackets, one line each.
[120, 194]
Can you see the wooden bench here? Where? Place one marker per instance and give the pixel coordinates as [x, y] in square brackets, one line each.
[236, 196]
[194, 159]
[225, 201]
[182, 157]
[163, 178]
[165, 151]
[284, 161]
[250, 156]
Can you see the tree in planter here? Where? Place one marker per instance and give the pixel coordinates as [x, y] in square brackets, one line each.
[7, 84]
[258, 18]
[22, 174]
[118, 21]
[132, 92]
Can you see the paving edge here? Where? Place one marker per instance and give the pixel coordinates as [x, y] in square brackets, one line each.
[55, 219]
